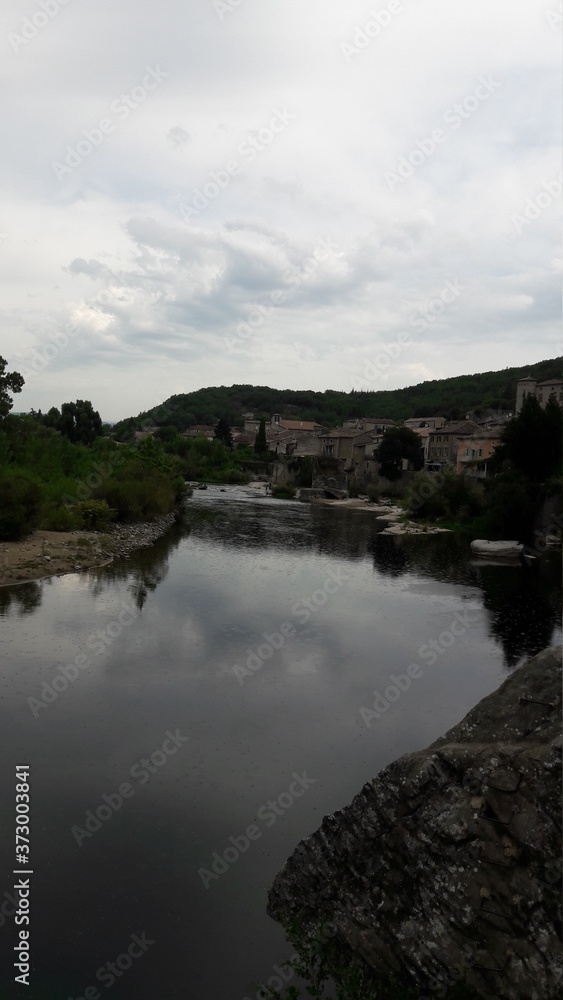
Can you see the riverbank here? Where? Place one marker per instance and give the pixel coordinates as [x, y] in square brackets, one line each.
[389, 514]
[54, 553]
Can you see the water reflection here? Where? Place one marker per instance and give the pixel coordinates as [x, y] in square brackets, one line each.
[523, 602]
[144, 570]
[23, 599]
[211, 593]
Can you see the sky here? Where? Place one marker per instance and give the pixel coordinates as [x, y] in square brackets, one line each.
[304, 195]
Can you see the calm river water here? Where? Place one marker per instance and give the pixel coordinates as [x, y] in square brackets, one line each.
[162, 747]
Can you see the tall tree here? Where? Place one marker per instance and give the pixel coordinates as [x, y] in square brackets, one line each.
[223, 433]
[260, 443]
[532, 441]
[399, 443]
[9, 382]
[78, 421]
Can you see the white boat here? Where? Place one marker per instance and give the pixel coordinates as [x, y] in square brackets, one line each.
[496, 550]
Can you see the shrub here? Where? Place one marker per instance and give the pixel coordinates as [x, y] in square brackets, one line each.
[20, 505]
[235, 476]
[140, 493]
[60, 517]
[444, 494]
[283, 492]
[374, 493]
[94, 514]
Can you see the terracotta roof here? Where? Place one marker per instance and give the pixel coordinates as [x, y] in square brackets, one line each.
[299, 425]
[344, 432]
[457, 427]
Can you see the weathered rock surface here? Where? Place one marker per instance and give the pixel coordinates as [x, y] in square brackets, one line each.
[449, 859]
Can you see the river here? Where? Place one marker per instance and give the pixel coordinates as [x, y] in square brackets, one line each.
[190, 713]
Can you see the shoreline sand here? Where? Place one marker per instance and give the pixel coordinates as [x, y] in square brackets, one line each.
[55, 553]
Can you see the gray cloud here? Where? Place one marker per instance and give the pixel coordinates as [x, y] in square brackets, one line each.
[156, 299]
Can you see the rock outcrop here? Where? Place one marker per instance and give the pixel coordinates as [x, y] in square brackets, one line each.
[447, 863]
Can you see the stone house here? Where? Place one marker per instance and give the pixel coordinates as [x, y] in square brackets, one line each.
[475, 451]
[541, 390]
[414, 423]
[378, 424]
[339, 443]
[443, 443]
[207, 431]
[364, 465]
[308, 426]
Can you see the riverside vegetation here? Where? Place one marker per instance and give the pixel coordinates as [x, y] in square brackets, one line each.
[526, 476]
[65, 470]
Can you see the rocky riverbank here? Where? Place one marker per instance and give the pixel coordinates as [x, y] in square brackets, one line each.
[54, 553]
[447, 865]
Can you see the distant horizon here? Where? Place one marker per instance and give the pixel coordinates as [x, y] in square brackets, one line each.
[414, 385]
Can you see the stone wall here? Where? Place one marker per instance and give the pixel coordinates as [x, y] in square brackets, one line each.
[448, 862]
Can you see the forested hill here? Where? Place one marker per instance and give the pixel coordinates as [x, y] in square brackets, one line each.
[451, 398]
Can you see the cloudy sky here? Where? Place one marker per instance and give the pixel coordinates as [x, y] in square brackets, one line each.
[300, 194]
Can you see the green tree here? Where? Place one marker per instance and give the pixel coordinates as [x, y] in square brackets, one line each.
[532, 442]
[399, 443]
[260, 444]
[9, 382]
[223, 433]
[78, 421]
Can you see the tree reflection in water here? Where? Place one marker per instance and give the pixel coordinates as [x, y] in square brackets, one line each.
[145, 569]
[23, 599]
[523, 602]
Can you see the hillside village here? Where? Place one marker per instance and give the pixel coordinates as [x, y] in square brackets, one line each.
[347, 454]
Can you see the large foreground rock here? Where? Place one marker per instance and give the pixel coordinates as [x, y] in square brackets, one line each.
[449, 859]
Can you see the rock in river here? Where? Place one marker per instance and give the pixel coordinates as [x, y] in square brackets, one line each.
[448, 862]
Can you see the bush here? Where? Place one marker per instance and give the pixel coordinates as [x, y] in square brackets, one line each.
[235, 476]
[373, 493]
[94, 514]
[140, 493]
[20, 504]
[283, 492]
[60, 517]
[445, 494]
